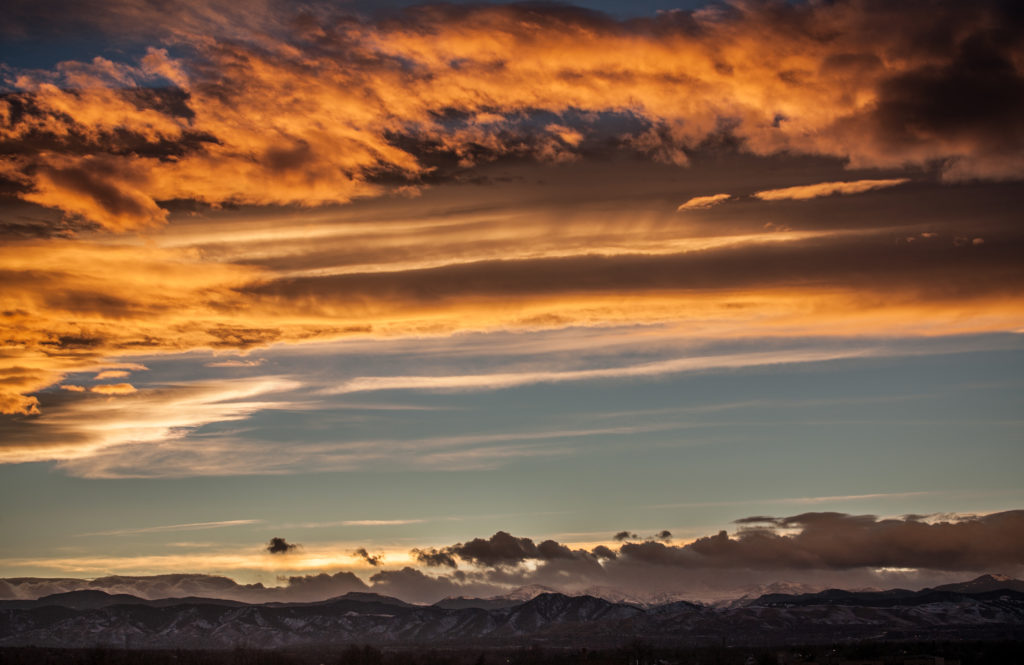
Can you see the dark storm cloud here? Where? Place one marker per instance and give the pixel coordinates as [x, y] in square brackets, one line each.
[279, 546]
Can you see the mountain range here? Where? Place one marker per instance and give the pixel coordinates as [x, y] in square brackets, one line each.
[988, 607]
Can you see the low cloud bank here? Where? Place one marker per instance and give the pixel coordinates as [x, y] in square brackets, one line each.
[809, 550]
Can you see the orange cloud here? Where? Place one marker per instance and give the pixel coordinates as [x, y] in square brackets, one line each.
[112, 374]
[328, 115]
[803, 192]
[351, 108]
[114, 389]
[70, 305]
[703, 202]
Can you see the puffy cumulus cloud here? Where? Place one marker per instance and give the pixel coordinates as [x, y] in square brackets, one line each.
[279, 545]
[332, 107]
[500, 549]
[802, 192]
[817, 549]
[504, 549]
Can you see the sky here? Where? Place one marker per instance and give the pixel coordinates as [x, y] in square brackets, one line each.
[450, 299]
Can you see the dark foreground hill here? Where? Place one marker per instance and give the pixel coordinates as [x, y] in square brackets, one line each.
[554, 620]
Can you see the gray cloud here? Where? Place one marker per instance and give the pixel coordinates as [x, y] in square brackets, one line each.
[279, 546]
[434, 557]
[840, 541]
[372, 559]
[500, 549]
[812, 550]
[504, 549]
[414, 586]
[317, 587]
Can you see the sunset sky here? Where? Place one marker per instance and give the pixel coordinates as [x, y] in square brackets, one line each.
[654, 297]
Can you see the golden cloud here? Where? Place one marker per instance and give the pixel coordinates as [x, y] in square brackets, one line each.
[112, 374]
[352, 107]
[703, 202]
[68, 305]
[802, 192]
[321, 115]
[113, 389]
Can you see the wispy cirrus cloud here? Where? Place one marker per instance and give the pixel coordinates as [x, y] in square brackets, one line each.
[192, 526]
[499, 381]
[838, 498]
[176, 456]
[87, 426]
[235, 362]
[380, 522]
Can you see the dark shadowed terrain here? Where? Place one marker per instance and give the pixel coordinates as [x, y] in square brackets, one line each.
[88, 619]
